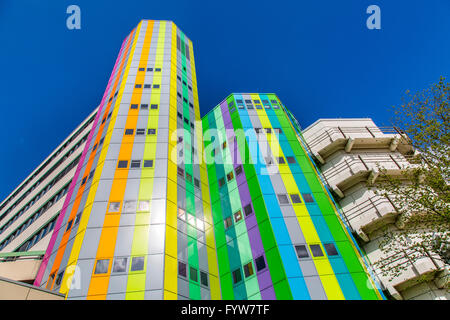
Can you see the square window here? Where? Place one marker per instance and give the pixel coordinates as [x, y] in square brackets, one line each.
[140, 132]
[307, 197]
[114, 207]
[237, 276]
[181, 214]
[230, 176]
[238, 170]
[260, 263]
[137, 264]
[129, 132]
[120, 265]
[295, 198]
[302, 252]
[129, 206]
[151, 131]
[290, 159]
[277, 130]
[238, 216]
[204, 278]
[144, 205]
[144, 106]
[248, 269]
[135, 164]
[248, 210]
[122, 164]
[221, 182]
[282, 199]
[331, 249]
[258, 106]
[148, 163]
[102, 266]
[193, 274]
[316, 250]
[281, 160]
[182, 269]
[228, 222]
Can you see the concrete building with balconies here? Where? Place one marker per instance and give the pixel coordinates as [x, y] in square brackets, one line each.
[350, 154]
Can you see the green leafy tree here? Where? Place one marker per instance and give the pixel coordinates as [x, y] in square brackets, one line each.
[421, 193]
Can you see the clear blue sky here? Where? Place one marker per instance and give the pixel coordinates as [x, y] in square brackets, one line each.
[318, 56]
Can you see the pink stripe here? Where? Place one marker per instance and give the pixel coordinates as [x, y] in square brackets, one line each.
[61, 216]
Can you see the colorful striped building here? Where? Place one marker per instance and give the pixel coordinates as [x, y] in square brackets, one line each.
[166, 205]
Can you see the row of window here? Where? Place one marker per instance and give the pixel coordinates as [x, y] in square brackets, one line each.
[41, 233]
[230, 176]
[140, 132]
[185, 100]
[184, 82]
[135, 164]
[144, 106]
[41, 194]
[188, 176]
[44, 176]
[260, 264]
[316, 250]
[193, 221]
[283, 199]
[73, 137]
[36, 215]
[193, 273]
[183, 47]
[130, 206]
[186, 120]
[146, 86]
[150, 69]
[238, 216]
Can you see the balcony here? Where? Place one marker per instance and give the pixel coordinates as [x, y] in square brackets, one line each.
[20, 266]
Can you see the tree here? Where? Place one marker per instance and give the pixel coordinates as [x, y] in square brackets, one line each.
[421, 193]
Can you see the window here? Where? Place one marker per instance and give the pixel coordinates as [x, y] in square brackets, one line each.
[248, 269]
[102, 266]
[307, 197]
[149, 69]
[144, 106]
[221, 182]
[268, 160]
[140, 131]
[277, 130]
[258, 106]
[238, 216]
[151, 131]
[84, 180]
[260, 263]
[193, 274]
[316, 250]
[228, 222]
[69, 225]
[144, 205]
[156, 86]
[188, 177]
[137, 264]
[258, 130]
[59, 278]
[129, 206]
[180, 171]
[295, 198]
[290, 159]
[331, 249]
[148, 163]
[196, 182]
[135, 164]
[182, 269]
[154, 106]
[224, 145]
[181, 214]
[114, 207]
[248, 210]
[302, 252]
[147, 86]
[120, 265]
[238, 170]
[134, 106]
[237, 276]
[91, 174]
[138, 86]
[230, 176]
[95, 147]
[141, 69]
[78, 218]
[268, 130]
[129, 132]
[282, 199]
[157, 69]
[204, 278]
[281, 160]
[122, 164]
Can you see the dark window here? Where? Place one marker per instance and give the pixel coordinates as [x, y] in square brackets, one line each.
[239, 101]
[156, 86]
[147, 86]
[307, 197]
[179, 94]
[221, 182]
[149, 69]
[78, 218]
[84, 180]
[137, 264]
[69, 225]
[191, 105]
[180, 171]
[258, 106]
[238, 216]
[129, 131]
[230, 176]
[140, 131]
[188, 177]
[302, 252]
[182, 269]
[144, 106]
[120, 265]
[154, 106]
[290, 159]
[95, 147]
[248, 269]
[237, 276]
[101, 266]
[260, 263]
[274, 101]
[281, 160]
[148, 163]
[331, 249]
[248, 210]
[91, 174]
[295, 198]
[179, 115]
[157, 69]
[151, 131]
[316, 250]
[258, 130]
[134, 106]
[204, 278]
[122, 164]
[135, 164]
[196, 182]
[141, 69]
[228, 222]
[59, 278]
[138, 86]
[256, 101]
[283, 199]
[238, 170]
[193, 274]
[268, 130]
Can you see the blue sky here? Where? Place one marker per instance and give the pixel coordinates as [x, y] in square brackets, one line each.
[318, 56]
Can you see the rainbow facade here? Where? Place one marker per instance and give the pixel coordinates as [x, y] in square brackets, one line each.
[165, 205]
